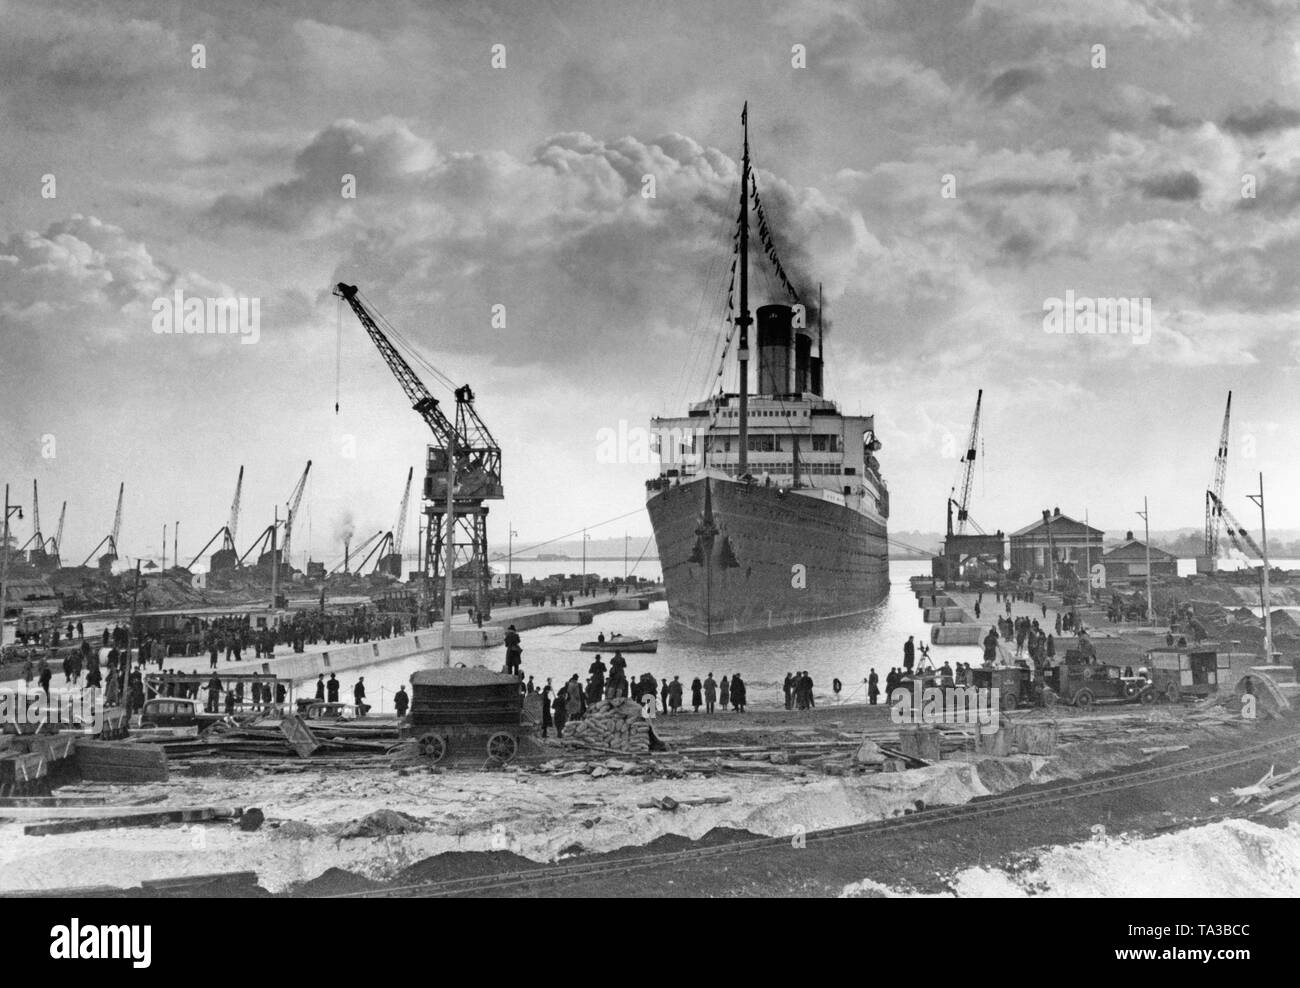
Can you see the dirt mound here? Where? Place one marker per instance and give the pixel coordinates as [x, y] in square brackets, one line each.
[463, 864]
[382, 823]
[336, 881]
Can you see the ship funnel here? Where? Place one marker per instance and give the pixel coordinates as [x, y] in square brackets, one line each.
[815, 382]
[802, 361]
[774, 332]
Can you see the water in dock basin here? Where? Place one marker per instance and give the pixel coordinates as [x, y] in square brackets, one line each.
[845, 648]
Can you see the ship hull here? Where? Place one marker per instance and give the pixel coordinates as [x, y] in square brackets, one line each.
[742, 557]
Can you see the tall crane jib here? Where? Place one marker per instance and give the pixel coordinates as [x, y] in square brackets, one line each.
[968, 471]
[477, 466]
[291, 516]
[1214, 496]
[1241, 538]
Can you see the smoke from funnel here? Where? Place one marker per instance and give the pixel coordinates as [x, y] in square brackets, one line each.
[345, 527]
[790, 237]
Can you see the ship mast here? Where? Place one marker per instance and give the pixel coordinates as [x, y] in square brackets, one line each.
[742, 317]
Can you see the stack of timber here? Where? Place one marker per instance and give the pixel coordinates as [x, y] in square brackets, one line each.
[613, 725]
[290, 738]
[28, 760]
[120, 761]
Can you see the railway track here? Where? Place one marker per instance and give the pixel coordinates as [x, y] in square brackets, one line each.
[982, 808]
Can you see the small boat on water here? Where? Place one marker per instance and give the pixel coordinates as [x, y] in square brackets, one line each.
[622, 643]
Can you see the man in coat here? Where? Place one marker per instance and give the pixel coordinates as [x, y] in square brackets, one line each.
[514, 651]
[738, 691]
[710, 693]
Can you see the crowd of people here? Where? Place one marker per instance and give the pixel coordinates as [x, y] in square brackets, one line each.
[612, 681]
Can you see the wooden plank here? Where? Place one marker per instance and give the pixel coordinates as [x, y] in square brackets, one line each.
[120, 761]
[190, 882]
[76, 892]
[299, 736]
[30, 801]
[155, 819]
[37, 814]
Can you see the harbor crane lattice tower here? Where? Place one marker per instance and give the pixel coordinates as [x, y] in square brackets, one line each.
[476, 470]
[390, 560]
[110, 557]
[54, 547]
[227, 557]
[965, 553]
[1214, 498]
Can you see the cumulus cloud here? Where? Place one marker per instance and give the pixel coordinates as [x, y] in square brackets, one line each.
[569, 238]
[382, 157]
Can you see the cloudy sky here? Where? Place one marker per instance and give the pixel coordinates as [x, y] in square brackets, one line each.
[520, 186]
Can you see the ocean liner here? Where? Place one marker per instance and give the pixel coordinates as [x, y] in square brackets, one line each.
[769, 508]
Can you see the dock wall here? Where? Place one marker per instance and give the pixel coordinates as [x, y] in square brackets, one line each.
[956, 634]
[946, 615]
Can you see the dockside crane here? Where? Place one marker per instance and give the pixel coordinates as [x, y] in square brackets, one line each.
[227, 557]
[1214, 496]
[966, 553]
[967, 476]
[265, 539]
[35, 546]
[53, 548]
[110, 540]
[390, 562]
[476, 468]
[295, 499]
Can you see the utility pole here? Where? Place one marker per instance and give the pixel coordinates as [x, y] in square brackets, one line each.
[164, 548]
[176, 544]
[1263, 532]
[275, 563]
[4, 560]
[1087, 552]
[625, 538]
[450, 550]
[510, 557]
[585, 537]
[130, 638]
[1151, 613]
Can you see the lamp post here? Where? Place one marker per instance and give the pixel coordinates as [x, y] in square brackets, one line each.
[510, 558]
[585, 539]
[1263, 547]
[449, 564]
[4, 560]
